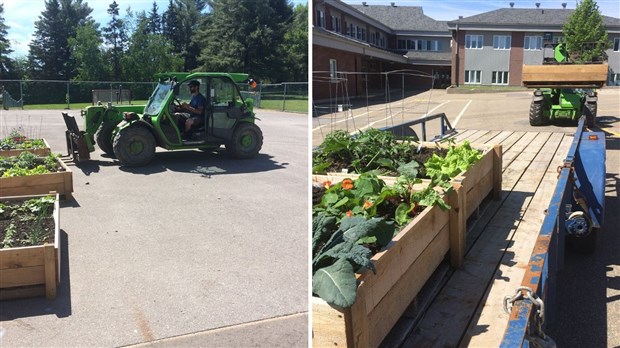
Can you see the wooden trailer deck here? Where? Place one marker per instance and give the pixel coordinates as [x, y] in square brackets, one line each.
[464, 307]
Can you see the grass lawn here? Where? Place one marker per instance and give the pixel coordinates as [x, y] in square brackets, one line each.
[293, 105]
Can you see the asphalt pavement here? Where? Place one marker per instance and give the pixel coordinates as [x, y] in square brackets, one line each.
[194, 249]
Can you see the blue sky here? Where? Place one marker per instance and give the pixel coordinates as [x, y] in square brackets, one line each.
[20, 16]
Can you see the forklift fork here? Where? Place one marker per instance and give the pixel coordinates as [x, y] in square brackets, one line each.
[76, 142]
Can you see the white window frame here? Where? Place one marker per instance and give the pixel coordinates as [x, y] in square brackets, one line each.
[500, 78]
[320, 18]
[470, 39]
[381, 41]
[401, 44]
[373, 38]
[527, 43]
[501, 42]
[475, 75]
[616, 47]
[336, 24]
[352, 30]
[333, 70]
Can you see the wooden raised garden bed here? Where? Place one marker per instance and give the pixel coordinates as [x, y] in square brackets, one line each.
[60, 182]
[41, 151]
[409, 260]
[402, 268]
[33, 270]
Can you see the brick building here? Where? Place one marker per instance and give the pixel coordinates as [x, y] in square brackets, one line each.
[367, 40]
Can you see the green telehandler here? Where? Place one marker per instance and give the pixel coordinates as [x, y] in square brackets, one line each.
[564, 89]
[132, 132]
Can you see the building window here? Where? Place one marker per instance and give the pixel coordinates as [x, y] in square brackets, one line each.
[402, 44]
[336, 24]
[382, 41]
[472, 76]
[533, 43]
[373, 38]
[501, 42]
[333, 70]
[500, 78]
[363, 34]
[473, 41]
[558, 39]
[617, 44]
[352, 30]
[320, 18]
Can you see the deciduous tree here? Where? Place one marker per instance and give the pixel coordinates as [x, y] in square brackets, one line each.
[585, 34]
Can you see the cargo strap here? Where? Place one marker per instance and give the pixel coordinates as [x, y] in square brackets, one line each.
[539, 338]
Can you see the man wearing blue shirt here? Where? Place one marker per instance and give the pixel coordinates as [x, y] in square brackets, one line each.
[195, 109]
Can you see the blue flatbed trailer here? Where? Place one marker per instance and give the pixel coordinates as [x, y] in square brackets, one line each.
[575, 214]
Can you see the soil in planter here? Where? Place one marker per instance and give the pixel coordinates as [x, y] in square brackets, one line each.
[26, 224]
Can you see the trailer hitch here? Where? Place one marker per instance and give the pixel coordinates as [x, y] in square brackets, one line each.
[76, 139]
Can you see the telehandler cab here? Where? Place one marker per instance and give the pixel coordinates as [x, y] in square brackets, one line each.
[131, 133]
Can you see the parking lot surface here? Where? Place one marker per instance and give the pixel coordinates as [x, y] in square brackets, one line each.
[194, 249]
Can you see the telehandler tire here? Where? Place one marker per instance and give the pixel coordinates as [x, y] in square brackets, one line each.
[536, 114]
[134, 146]
[103, 138]
[247, 140]
[589, 110]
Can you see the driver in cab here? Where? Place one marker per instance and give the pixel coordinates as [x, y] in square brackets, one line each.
[191, 114]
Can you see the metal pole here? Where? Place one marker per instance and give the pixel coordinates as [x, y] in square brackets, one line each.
[284, 97]
[260, 95]
[21, 93]
[67, 96]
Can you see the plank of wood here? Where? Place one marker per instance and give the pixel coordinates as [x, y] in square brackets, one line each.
[491, 316]
[474, 137]
[457, 225]
[459, 137]
[565, 74]
[15, 293]
[448, 317]
[49, 254]
[487, 137]
[22, 276]
[13, 258]
[329, 328]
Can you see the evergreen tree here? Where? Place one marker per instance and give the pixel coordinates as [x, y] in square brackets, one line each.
[46, 51]
[245, 35]
[181, 21]
[585, 34]
[6, 64]
[49, 52]
[154, 23]
[115, 36]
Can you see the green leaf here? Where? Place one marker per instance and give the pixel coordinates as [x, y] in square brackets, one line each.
[402, 214]
[323, 226]
[336, 284]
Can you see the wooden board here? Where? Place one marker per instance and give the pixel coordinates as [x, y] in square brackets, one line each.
[31, 271]
[402, 267]
[59, 182]
[446, 321]
[564, 75]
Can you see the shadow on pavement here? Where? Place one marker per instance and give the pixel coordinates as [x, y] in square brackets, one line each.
[205, 164]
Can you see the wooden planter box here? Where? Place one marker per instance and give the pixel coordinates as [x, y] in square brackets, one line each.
[40, 184]
[31, 271]
[403, 267]
[479, 180]
[41, 152]
[409, 261]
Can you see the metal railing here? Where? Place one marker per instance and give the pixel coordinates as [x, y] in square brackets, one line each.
[405, 129]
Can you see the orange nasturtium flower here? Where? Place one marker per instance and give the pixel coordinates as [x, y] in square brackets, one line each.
[327, 184]
[349, 213]
[347, 184]
[367, 204]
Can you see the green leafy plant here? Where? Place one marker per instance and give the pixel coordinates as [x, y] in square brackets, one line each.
[27, 163]
[16, 140]
[26, 223]
[457, 160]
[372, 150]
[355, 218]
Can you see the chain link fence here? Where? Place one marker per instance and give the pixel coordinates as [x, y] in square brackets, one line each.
[288, 96]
